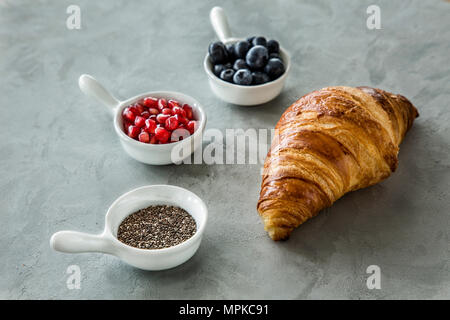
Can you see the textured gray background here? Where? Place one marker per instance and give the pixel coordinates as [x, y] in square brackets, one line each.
[62, 166]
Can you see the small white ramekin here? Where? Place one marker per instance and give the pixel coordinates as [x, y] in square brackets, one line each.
[237, 94]
[132, 201]
[156, 154]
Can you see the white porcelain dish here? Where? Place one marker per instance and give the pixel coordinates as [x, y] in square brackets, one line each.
[233, 93]
[156, 154]
[146, 259]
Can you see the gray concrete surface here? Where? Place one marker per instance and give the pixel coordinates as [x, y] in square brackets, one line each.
[62, 166]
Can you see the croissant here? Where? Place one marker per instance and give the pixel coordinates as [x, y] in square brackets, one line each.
[327, 143]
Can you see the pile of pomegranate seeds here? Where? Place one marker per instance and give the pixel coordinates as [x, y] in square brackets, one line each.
[153, 120]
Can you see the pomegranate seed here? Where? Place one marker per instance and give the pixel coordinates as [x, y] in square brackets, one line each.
[133, 131]
[162, 135]
[139, 122]
[171, 123]
[173, 103]
[150, 125]
[180, 111]
[144, 137]
[129, 114]
[145, 114]
[150, 102]
[167, 111]
[135, 110]
[153, 117]
[161, 118]
[179, 134]
[162, 103]
[140, 108]
[153, 140]
[191, 126]
[153, 111]
[181, 120]
[188, 109]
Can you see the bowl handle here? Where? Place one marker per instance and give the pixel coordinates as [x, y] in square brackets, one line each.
[92, 88]
[78, 242]
[220, 23]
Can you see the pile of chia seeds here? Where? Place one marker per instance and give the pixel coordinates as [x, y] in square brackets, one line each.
[157, 227]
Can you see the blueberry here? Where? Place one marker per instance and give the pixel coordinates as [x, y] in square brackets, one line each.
[228, 65]
[217, 52]
[240, 64]
[274, 55]
[273, 46]
[259, 41]
[218, 68]
[260, 77]
[274, 68]
[241, 48]
[250, 40]
[227, 75]
[243, 77]
[230, 52]
[257, 57]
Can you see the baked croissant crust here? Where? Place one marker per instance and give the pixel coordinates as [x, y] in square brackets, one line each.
[327, 143]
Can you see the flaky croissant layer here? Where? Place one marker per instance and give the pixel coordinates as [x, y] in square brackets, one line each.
[327, 143]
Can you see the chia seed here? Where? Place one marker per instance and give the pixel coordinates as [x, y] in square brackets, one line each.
[157, 227]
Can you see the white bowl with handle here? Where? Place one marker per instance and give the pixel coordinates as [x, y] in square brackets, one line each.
[146, 259]
[156, 154]
[238, 94]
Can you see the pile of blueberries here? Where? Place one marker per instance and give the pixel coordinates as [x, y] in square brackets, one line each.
[249, 62]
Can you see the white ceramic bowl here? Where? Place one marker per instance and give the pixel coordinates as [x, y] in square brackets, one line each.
[147, 259]
[233, 93]
[156, 154]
